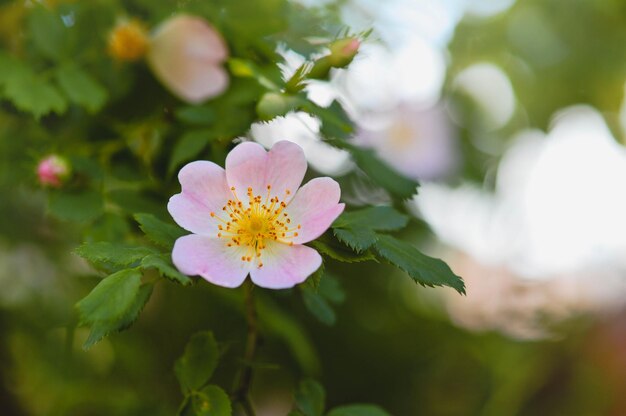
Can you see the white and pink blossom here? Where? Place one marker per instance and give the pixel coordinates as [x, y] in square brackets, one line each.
[252, 217]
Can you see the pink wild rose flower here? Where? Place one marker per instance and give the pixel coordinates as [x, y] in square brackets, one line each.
[251, 218]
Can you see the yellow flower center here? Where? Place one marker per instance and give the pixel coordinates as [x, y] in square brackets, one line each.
[250, 225]
[128, 41]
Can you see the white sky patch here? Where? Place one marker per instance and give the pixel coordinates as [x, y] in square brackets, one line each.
[491, 90]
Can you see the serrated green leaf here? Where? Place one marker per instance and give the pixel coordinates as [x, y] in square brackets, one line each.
[76, 206]
[358, 410]
[81, 88]
[312, 282]
[195, 367]
[210, 401]
[425, 270]
[48, 32]
[113, 305]
[155, 261]
[310, 398]
[157, 231]
[380, 218]
[118, 254]
[189, 146]
[319, 307]
[358, 239]
[337, 251]
[382, 174]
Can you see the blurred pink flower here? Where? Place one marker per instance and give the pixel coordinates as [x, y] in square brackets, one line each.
[186, 54]
[419, 143]
[52, 171]
[249, 218]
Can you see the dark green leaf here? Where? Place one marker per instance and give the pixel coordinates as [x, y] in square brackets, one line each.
[157, 231]
[425, 270]
[33, 94]
[358, 238]
[337, 251]
[155, 261]
[81, 88]
[330, 288]
[319, 307]
[210, 401]
[113, 305]
[76, 206]
[118, 254]
[310, 398]
[195, 367]
[189, 146]
[196, 115]
[380, 218]
[382, 174]
[335, 122]
[358, 410]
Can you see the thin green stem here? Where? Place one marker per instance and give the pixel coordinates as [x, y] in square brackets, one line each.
[244, 379]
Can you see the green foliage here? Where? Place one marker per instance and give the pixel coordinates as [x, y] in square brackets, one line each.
[48, 33]
[423, 269]
[310, 398]
[319, 307]
[357, 228]
[76, 206]
[113, 305]
[195, 367]
[335, 250]
[210, 401]
[163, 266]
[189, 146]
[157, 231]
[357, 410]
[117, 254]
[81, 88]
[319, 298]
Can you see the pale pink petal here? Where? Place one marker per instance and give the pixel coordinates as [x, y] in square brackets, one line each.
[185, 54]
[282, 168]
[285, 266]
[314, 208]
[245, 167]
[211, 259]
[285, 169]
[204, 190]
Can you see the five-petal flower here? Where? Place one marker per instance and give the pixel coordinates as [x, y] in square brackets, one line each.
[251, 218]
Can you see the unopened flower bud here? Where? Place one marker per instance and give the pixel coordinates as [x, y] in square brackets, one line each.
[343, 51]
[128, 41]
[53, 171]
[274, 104]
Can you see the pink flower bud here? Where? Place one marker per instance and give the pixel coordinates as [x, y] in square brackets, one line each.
[343, 51]
[53, 171]
[186, 54]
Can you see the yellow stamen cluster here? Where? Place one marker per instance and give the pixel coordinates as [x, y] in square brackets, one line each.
[128, 41]
[251, 224]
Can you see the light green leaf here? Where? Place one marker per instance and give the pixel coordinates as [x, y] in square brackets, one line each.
[81, 88]
[76, 206]
[195, 367]
[319, 307]
[189, 146]
[358, 410]
[118, 254]
[425, 270]
[155, 261]
[157, 231]
[33, 94]
[48, 32]
[310, 398]
[113, 305]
